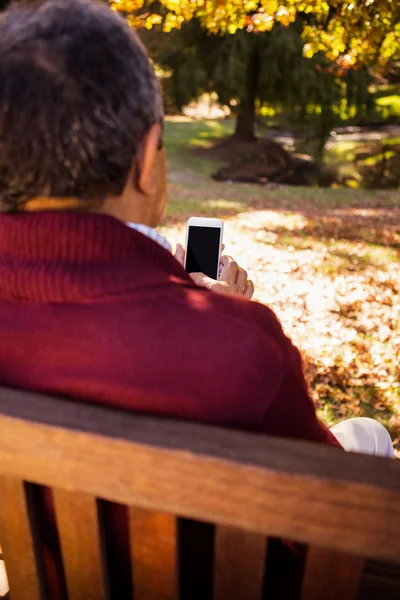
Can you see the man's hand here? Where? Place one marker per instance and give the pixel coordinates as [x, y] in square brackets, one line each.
[233, 280]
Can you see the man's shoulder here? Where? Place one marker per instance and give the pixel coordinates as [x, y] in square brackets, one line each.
[234, 320]
[238, 309]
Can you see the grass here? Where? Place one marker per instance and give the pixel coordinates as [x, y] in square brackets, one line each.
[388, 100]
[327, 261]
[184, 133]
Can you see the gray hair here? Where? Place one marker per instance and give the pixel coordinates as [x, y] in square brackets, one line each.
[77, 94]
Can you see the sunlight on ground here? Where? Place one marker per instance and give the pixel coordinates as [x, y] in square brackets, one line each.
[346, 322]
[328, 263]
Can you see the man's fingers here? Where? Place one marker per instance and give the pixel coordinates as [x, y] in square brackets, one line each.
[223, 287]
[229, 270]
[197, 277]
[233, 280]
[180, 254]
[241, 278]
[249, 290]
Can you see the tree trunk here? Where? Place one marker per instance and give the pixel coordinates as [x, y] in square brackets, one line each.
[246, 118]
[245, 122]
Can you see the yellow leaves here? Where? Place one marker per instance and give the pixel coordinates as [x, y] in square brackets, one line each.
[152, 20]
[308, 51]
[172, 22]
[269, 7]
[352, 33]
[219, 16]
[127, 6]
[262, 22]
[183, 9]
[317, 7]
[390, 47]
[357, 33]
[286, 16]
[250, 6]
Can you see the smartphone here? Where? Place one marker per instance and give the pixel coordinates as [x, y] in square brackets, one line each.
[203, 246]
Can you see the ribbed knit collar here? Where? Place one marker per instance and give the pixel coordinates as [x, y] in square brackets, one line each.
[72, 256]
[151, 233]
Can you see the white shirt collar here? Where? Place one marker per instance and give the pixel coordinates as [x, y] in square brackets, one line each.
[151, 233]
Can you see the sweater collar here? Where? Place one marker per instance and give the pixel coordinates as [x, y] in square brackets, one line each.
[72, 256]
[151, 233]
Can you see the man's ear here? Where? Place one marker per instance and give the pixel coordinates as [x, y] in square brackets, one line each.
[145, 161]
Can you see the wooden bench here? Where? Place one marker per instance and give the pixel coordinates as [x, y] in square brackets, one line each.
[345, 507]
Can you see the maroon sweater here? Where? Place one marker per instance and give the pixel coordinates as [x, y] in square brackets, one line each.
[94, 311]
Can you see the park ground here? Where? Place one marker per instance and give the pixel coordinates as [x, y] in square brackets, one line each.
[327, 261]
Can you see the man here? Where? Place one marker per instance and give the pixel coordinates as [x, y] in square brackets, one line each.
[94, 310]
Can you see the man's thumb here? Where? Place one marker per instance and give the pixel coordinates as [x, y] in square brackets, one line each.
[180, 254]
[200, 279]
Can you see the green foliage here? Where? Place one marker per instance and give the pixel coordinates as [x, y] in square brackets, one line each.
[293, 85]
[387, 98]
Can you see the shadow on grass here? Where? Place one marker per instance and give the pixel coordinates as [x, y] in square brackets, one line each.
[338, 254]
[356, 238]
[378, 226]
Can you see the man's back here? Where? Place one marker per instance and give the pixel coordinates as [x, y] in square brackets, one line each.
[111, 317]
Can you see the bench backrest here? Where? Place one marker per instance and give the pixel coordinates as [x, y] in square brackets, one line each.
[344, 507]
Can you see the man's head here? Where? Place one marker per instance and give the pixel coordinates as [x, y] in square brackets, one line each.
[80, 113]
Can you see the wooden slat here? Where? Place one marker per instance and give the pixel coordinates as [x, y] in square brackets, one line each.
[305, 492]
[17, 540]
[239, 564]
[154, 554]
[80, 543]
[331, 575]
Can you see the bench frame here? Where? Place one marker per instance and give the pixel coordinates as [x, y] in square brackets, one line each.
[346, 507]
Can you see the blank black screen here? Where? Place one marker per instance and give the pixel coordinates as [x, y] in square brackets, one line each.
[203, 250]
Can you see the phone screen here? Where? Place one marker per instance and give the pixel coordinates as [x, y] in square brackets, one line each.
[202, 253]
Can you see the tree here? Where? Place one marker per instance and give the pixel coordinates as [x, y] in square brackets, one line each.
[263, 44]
[256, 69]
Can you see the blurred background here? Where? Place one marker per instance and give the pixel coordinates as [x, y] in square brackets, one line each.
[318, 84]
